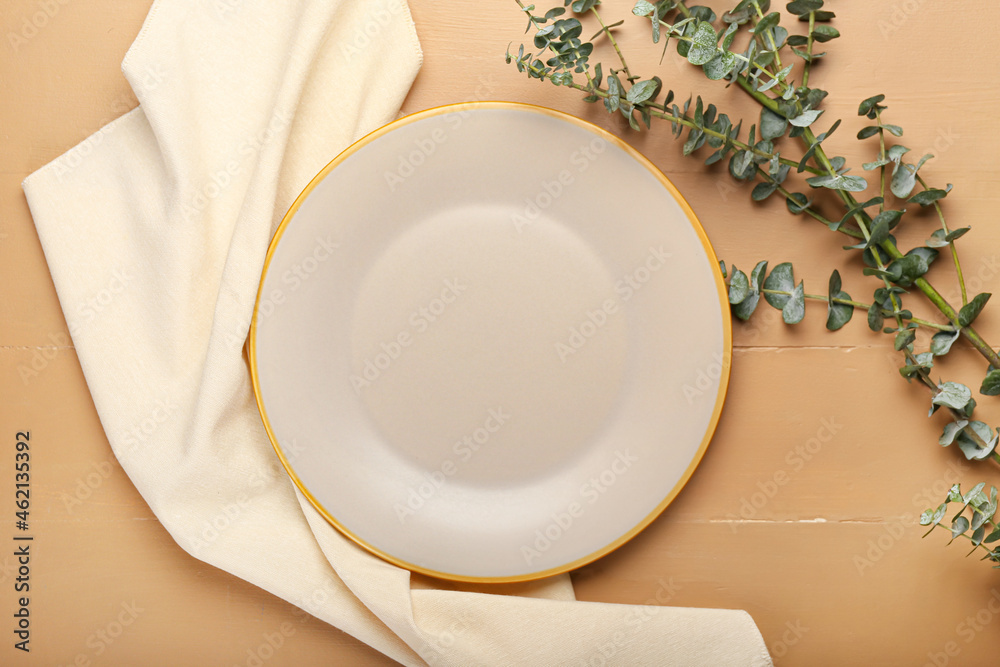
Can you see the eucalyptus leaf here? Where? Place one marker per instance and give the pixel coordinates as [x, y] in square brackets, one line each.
[942, 341]
[703, 44]
[970, 311]
[973, 451]
[991, 383]
[795, 309]
[806, 118]
[739, 286]
[772, 125]
[952, 395]
[959, 526]
[951, 431]
[847, 183]
[781, 279]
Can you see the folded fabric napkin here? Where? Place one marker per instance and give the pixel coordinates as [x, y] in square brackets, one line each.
[163, 217]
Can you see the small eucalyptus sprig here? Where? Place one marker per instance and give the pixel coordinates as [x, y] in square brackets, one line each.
[974, 521]
[774, 66]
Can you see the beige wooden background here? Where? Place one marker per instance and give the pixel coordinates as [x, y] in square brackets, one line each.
[830, 563]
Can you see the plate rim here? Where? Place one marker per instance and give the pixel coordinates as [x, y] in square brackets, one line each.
[723, 304]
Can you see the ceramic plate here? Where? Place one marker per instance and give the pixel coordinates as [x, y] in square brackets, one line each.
[491, 342]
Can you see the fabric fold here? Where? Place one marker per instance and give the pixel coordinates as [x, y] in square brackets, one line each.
[155, 230]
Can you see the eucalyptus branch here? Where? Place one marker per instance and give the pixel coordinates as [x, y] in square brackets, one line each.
[793, 110]
[979, 526]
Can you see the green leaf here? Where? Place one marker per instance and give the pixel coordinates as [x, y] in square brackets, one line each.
[781, 279]
[806, 118]
[867, 132]
[643, 8]
[875, 317]
[973, 451]
[942, 341]
[739, 286]
[894, 130]
[959, 526]
[703, 45]
[838, 314]
[956, 233]
[869, 105]
[951, 431]
[772, 125]
[762, 191]
[612, 101]
[967, 498]
[795, 309]
[842, 182]
[897, 152]
[971, 310]
[745, 308]
[881, 162]
[797, 202]
[643, 91]
[932, 517]
[803, 7]
[767, 23]
[904, 176]
[904, 338]
[824, 33]
[952, 395]
[720, 66]
[991, 383]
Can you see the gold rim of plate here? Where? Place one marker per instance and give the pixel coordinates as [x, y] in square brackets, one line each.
[723, 302]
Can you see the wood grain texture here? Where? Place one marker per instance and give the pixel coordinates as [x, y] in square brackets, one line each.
[802, 512]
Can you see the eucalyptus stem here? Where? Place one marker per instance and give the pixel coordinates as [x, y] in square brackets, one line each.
[689, 123]
[809, 210]
[951, 244]
[614, 43]
[860, 306]
[809, 50]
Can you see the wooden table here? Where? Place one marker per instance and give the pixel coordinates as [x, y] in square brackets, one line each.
[804, 510]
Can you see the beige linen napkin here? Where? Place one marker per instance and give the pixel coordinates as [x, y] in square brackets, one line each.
[155, 229]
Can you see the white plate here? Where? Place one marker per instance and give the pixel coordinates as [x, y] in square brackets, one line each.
[491, 342]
